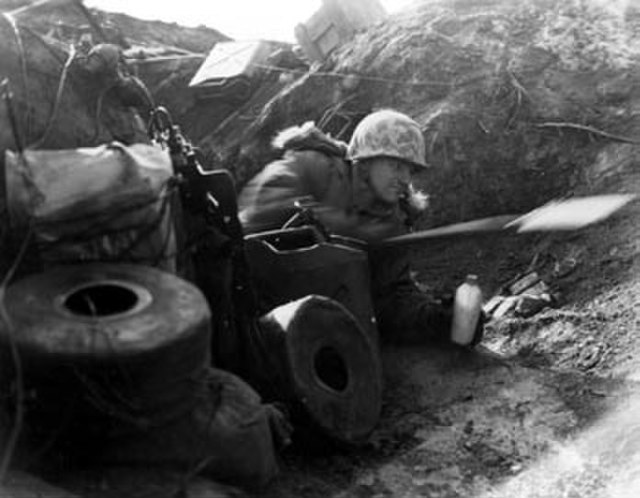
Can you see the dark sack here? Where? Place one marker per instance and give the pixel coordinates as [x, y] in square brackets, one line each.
[226, 436]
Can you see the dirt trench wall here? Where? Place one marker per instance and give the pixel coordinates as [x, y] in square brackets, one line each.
[506, 94]
[57, 107]
[33, 55]
[243, 140]
[199, 39]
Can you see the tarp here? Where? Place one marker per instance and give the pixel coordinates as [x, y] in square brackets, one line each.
[106, 203]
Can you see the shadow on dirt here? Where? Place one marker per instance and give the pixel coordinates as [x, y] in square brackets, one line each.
[456, 423]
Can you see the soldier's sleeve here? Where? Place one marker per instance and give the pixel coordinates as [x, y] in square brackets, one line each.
[267, 202]
[404, 313]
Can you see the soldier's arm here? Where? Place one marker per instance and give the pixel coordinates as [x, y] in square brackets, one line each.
[404, 313]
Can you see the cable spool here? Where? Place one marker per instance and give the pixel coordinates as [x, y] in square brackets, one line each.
[326, 363]
[107, 349]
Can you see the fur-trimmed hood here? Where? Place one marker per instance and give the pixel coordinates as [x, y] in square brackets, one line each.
[308, 137]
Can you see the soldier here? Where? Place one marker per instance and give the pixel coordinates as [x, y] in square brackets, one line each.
[362, 190]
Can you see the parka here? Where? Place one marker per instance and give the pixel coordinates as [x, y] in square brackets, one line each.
[313, 167]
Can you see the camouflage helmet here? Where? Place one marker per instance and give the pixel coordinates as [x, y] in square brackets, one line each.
[388, 133]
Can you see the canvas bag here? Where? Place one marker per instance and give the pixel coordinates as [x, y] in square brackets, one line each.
[105, 203]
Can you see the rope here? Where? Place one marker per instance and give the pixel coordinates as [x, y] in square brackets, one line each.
[7, 96]
[98, 228]
[48, 44]
[23, 68]
[333, 74]
[144, 401]
[97, 117]
[588, 129]
[56, 104]
[330, 74]
[147, 229]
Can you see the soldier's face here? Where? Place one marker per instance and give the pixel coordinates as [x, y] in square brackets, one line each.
[389, 178]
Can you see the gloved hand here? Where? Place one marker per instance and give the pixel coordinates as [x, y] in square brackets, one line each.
[479, 332]
[280, 424]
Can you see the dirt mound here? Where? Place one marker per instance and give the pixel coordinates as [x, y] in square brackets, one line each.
[198, 40]
[496, 90]
[67, 19]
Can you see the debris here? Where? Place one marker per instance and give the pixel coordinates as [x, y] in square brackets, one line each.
[232, 68]
[526, 296]
[490, 306]
[528, 305]
[334, 24]
[538, 289]
[524, 283]
[507, 304]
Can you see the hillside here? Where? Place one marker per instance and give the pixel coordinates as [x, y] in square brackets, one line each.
[119, 28]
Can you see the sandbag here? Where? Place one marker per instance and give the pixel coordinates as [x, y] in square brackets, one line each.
[228, 435]
[106, 203]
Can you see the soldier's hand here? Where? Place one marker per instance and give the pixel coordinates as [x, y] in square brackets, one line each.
[479, 332]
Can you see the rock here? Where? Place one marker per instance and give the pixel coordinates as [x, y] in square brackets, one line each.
[523, 283]
[490, 306]
[528, 305]
[538, 289]
[506, 307]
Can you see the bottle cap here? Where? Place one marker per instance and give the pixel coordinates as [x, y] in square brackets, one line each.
[471, 278]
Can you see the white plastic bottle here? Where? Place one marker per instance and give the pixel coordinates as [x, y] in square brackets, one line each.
[466, 311]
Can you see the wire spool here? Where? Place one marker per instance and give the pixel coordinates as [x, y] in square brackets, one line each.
[316, 355]
[106, 349]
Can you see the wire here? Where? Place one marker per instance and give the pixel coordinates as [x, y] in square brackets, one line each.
[360, 76]
[23, 68]
[100, 227]
[56, 104]
[233, 57]
[17, 362]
